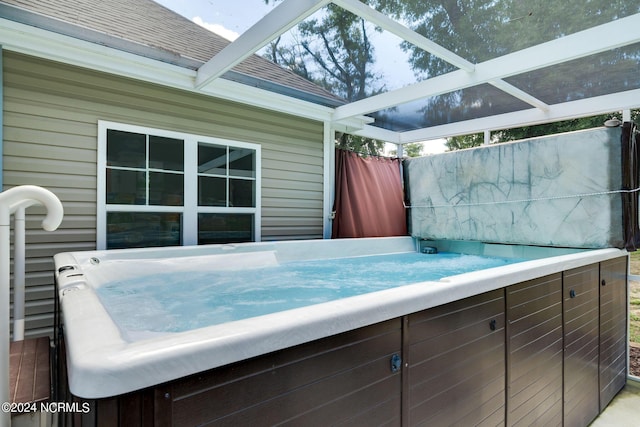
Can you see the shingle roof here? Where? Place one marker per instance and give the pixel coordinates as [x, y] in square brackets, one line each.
[152, 25]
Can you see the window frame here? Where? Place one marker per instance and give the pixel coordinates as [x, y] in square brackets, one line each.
[190, 208]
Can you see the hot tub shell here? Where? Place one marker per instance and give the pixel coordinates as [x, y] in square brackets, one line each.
[333, 359]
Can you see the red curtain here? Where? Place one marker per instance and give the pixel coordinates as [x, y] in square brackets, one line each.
[369, 197]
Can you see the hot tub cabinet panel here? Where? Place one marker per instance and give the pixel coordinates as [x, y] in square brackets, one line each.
[613, 328]
[581, 310]
[534, 352]
[341, 380]
[456, 363]
[344, 379]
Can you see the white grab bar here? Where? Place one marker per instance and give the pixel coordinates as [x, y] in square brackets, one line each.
[16, 200]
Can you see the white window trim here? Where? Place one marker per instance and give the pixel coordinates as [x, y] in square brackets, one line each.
[189, 215]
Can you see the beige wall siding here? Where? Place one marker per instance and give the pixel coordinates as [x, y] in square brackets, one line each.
[51, 114]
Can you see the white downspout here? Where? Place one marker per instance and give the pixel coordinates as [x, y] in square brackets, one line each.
[10, 201]
[328, 184]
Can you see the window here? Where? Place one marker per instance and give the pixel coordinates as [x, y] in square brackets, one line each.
[162, 188]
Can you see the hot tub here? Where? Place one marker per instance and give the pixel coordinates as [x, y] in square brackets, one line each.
[108, 360]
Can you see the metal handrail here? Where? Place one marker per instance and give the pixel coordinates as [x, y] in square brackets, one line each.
[15, 201]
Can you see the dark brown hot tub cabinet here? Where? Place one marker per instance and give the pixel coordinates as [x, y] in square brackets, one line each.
[580, 295]
[534, 352]
[613, 328]
[549, 351]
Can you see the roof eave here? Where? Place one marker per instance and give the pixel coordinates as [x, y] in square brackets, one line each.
[89, 49]
[47, 23]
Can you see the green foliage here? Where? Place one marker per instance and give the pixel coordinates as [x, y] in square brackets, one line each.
[335, 52]
[634, 327]
[480, 30]
[413, 150]
[410, 150]
[634, 263]
[464, 141]
[515, 134]
[364, 146]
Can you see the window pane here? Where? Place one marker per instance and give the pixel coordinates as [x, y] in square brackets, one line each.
[242, 162]
[142, 229]
[212, 191]
[166, 153]
[166, 189]
[241, 193]
[224, 228]
[126, 187]
[212, 159]
[126, 149]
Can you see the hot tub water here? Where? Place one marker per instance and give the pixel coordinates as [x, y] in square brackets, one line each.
[181, 301]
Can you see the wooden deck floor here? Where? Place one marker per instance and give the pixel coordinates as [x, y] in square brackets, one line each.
[29, 379]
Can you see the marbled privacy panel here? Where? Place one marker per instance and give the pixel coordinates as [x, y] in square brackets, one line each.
[558, 190]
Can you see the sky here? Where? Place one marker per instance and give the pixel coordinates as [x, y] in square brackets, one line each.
[229, 18]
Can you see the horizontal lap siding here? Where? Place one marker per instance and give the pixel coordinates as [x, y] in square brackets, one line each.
[51, 114]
